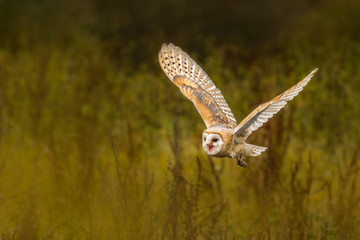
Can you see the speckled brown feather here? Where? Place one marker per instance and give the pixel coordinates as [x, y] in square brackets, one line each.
[266, 110]
[196, 86]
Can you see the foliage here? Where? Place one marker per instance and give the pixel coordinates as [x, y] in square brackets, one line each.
[95, 144]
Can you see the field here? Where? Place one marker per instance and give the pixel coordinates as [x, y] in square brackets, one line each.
[96, 142]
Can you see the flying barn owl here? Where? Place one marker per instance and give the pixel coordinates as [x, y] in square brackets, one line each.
[223, 136]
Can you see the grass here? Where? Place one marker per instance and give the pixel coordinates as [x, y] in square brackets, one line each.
[91, 150]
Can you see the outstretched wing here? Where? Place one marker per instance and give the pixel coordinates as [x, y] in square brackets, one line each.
[195, 84]
[266, 110]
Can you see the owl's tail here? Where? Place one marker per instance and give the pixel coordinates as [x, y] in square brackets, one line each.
[253, 151]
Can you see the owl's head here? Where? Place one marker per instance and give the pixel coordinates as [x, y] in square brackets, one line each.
[212, 143]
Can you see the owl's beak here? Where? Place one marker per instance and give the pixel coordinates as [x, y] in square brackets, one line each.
[209, 146]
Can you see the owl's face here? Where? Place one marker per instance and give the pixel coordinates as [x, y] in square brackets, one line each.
[212, 143]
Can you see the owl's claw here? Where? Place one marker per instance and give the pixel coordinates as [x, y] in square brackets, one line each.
[241, 162]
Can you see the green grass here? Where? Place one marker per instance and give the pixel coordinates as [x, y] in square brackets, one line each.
[96, 142]
[91, 150]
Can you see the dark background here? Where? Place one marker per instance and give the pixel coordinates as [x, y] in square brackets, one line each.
[96, 142]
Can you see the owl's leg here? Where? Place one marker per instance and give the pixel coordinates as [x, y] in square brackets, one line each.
[240, 160]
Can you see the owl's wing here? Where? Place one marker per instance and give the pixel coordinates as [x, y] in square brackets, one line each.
[195, 84]
[266, 110]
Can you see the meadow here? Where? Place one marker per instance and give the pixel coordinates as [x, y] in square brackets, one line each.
[97, 146]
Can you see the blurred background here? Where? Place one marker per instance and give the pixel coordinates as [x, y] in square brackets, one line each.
[96, 142]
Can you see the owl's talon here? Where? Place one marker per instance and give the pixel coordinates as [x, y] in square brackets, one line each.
[241, 162]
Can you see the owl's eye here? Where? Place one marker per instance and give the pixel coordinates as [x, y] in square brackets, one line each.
[215, 140]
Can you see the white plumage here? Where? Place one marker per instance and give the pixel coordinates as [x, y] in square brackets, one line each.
[223, 137]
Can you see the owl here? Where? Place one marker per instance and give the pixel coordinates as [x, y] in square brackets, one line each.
[223, 136]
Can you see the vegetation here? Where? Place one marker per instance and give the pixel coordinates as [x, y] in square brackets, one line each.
[96, 143]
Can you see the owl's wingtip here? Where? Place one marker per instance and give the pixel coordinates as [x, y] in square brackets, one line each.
[165, 45]
[313, 72]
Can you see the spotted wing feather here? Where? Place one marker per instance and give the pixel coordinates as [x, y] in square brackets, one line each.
[196, 85]
[265, 111]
